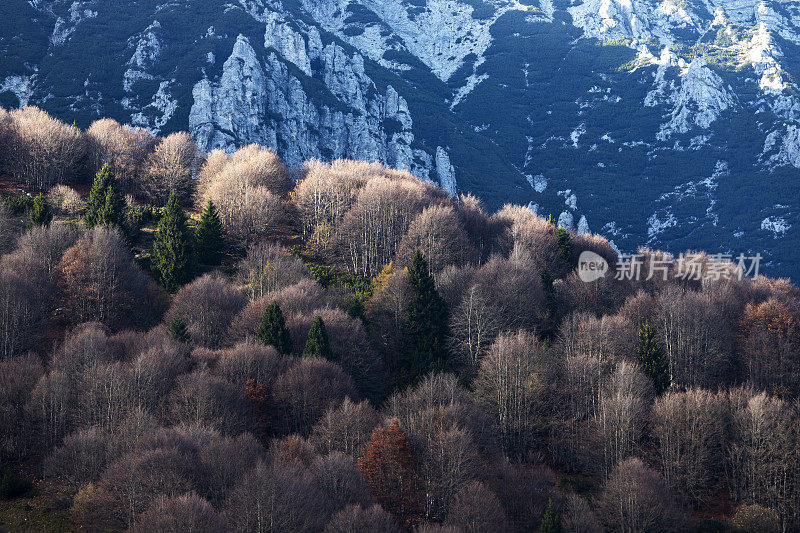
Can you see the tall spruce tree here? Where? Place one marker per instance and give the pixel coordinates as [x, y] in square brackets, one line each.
[273, 332]
[113, 213]
[178, 331]
[97, 196]
[317, 344]
[427, 320]
[40, 214]
[209, 238]
[105, 205]
[650, 356]
[564, 242]
[551, 523]
[172, 247]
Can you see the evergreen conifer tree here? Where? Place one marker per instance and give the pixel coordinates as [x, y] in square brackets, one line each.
[317, 344]
[172, 247]
[272, 331]
[650, 356]
[210, 241]
[97, 196]
[40, 214]
[113, 213]
[551, 523]
[178, 331]
[427, 326]
[564, 242]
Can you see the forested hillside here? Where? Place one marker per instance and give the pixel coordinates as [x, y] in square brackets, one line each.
[219, 342]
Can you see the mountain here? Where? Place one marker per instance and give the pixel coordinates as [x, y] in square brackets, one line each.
[667, 123]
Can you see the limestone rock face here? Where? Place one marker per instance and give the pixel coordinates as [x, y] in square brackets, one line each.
[261, 100]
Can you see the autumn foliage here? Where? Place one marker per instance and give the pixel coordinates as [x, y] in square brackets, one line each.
[387, 465]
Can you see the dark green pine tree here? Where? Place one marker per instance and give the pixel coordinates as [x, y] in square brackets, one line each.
[172, 247]
[564, 242]
[97, 196]
[427, 326]
[317, 344]
[273, 332]
[40, 214]
[210, 242]
[178, 331]
[113, 213]
[650, 356]
[551, 523]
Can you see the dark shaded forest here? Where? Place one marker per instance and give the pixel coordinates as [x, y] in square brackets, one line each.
[216, 342]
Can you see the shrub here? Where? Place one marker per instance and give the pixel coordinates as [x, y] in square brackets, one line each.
[65, 200]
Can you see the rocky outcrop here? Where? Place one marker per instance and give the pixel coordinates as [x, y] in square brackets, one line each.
[696, 99]
[259, 99]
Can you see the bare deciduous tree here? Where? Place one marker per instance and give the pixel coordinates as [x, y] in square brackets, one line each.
[761, 454]
[696, 340]
[635, 498]
[125, 148]
[98, 280]
[622, 414]
[511, 385]
[129, 486]
[200, 398]
[769, 341]
[345, 428]
[247, 192]
[21, 313]
[248, 360]
[350, 348]
[48, 407]
[172, 166]
[10, 228]
[226, 460]
[65, 200]
[370, 233]
[277, 497]
[579, 517]
[18, 377]
[438, 234]
[476, 509]
[689, 430]
[304, 392]
[327, 191]
[187, 512]
[301, 298]
[207, 306]
[81, 458]
[340, 479]
[356, 518]
[45, 150]
[268, 267]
